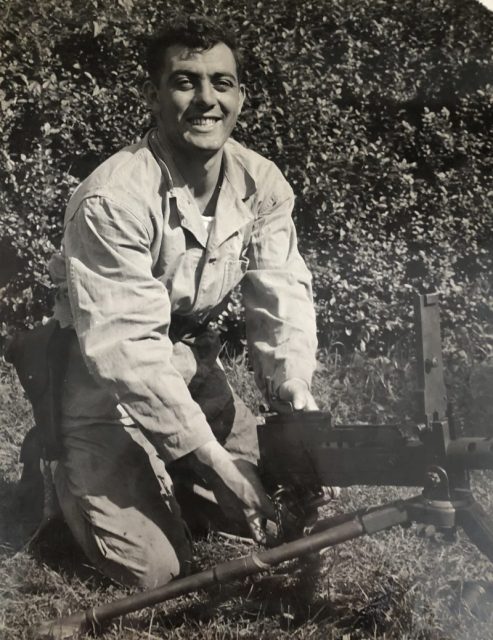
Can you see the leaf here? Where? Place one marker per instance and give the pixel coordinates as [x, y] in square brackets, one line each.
[97, 28]
[128, 5]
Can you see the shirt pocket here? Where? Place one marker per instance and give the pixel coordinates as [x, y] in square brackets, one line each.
[233, 272]
[219, 277]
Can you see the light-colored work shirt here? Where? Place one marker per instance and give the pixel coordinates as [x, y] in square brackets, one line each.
[138, 261]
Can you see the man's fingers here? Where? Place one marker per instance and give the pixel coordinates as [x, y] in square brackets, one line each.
[311, 405]
[303, 400]
[256, 525]
[258, 495]
[263, 531]
[298, 393]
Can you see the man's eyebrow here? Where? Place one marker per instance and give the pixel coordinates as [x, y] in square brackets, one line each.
[193, 74]
[225, 74]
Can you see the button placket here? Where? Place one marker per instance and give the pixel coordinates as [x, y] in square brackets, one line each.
[209, 273]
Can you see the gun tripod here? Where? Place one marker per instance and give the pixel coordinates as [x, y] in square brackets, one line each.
[438, 505]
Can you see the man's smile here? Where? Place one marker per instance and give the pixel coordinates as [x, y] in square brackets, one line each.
[203, 122]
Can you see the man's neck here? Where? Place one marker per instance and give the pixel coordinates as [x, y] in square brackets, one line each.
[201, 172]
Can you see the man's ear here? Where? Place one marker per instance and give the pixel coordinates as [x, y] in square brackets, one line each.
[151, 95]
[242, 96]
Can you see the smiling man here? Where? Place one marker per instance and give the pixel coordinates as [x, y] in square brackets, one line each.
[155, 240]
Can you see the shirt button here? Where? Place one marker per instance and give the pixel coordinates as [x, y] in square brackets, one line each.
[212, 260]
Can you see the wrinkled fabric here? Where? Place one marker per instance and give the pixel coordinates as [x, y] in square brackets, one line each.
[118, 497]
[137, 261]
[118, 500]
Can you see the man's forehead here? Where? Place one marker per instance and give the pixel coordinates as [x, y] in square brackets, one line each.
[216, 59]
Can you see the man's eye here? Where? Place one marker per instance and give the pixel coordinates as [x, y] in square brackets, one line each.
[184, 84]
[223, 85]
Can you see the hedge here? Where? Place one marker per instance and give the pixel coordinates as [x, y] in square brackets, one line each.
[378, 112]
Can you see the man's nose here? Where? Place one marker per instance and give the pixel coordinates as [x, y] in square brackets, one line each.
[205, 94]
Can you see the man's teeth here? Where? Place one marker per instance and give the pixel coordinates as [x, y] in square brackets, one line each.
[203, 121]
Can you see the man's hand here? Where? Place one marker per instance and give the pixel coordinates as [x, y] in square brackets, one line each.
[297, 392]
[236, 485]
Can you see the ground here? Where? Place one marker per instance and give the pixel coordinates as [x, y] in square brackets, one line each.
[400, 584]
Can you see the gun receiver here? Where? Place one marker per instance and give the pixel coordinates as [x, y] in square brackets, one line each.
[306, 449]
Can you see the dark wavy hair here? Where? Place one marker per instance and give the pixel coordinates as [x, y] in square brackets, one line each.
[193, 31]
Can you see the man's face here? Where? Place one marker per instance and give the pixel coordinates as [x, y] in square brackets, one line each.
[198, 99]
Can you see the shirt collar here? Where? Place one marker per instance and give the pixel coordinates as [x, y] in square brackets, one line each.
[231, 212]
[236, 173]
[165, 161]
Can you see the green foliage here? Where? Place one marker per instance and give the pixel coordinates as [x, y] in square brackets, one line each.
[379, 114]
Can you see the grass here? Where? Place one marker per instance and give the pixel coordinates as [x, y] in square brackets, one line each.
[398, 585]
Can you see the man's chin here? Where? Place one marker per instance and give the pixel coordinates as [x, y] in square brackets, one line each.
[205, 144]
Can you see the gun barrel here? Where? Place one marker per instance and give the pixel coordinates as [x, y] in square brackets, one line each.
[472, 453]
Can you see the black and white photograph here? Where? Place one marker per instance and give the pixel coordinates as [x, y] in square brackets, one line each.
[246, 320]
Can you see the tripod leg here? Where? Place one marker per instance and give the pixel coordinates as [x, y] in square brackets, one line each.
[478, 525]
[330, 532]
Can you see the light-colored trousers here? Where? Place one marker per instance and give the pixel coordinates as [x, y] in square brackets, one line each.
[118, 497]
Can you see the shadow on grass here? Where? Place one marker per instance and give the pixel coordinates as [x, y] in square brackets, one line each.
[14, 530]
[54, 546]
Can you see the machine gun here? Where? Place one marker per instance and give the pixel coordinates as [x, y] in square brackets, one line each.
[302, 452]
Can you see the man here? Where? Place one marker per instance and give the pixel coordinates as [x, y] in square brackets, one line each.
[155, 239]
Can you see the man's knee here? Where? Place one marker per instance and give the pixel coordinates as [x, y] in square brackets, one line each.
[142, 547]
[145, 560]
[156, 566]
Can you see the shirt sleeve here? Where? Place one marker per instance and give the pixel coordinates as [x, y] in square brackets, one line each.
[277, 292]
[121, 316]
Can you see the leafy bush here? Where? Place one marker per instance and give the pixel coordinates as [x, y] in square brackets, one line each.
[378, 113]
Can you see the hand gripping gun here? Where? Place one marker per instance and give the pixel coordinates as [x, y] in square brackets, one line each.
[302, 452]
